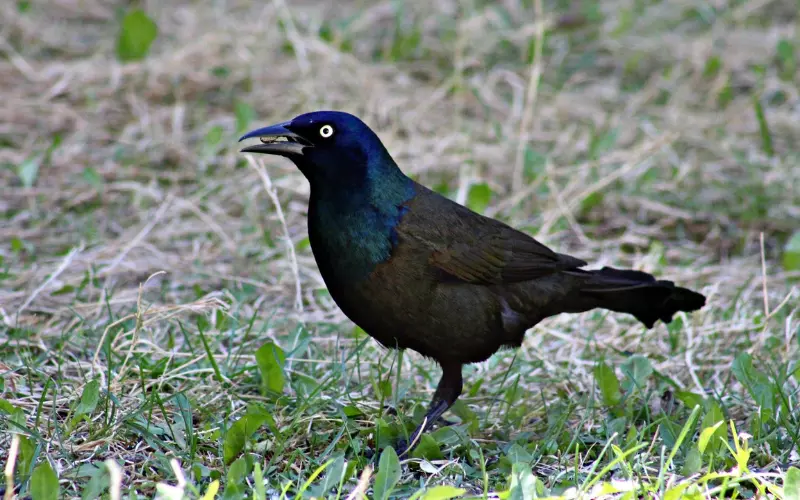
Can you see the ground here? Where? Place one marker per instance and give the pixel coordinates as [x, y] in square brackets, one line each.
[163, 325]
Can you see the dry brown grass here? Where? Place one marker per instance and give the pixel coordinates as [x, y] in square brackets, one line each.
[687, 185]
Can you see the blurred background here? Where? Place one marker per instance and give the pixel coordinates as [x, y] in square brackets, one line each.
[141, 253]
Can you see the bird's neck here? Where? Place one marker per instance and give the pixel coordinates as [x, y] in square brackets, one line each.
[352, 227]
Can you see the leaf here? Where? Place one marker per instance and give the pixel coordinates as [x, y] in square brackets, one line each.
[28, 171]
[791, 485]
[479, 196]
[214, 135]
[237, 472]
[332, 479]
[270, 359]
[720, 436]
[517, 453]
[89, 398]
[427, 448]
[241, 430]
[443, 492]
[758, 384]
[693, 462]
[638, 369]
[791, 253]
[676, 492]
[706, 434]
[786, 59]
[689, 399]
[351, 411]
[385, 388]
[608, 383]
[534, 164]
[388, 474]
[212, 490]
[523, 483]
[592, 200]
[98, 483]
[260, 492]
[244, 115]
[44, 482]
[136, 35]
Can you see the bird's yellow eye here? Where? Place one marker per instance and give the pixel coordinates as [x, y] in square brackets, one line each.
[326, 131]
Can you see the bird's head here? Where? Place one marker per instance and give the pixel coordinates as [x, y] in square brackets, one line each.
[327, 146]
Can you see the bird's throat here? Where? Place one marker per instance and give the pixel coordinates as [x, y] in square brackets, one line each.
[352, 232]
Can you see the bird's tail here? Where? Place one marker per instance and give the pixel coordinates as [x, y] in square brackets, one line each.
[639, 294]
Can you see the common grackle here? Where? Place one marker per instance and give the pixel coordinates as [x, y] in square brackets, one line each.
[418, 271]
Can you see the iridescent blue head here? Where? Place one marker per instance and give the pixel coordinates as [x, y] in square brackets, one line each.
[358, 193]
[330, 147]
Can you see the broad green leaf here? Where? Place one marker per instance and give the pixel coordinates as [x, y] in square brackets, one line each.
[676, 492]
[241, 430]
[719, 437]
[791, 485]
[270, 359]
[89, 398]
[16, 416]
[211, 491]
[333, 478]
[756, 382]
[443, 492]
[523, 482]
[693, 462]
[44, 482]
[214, 135]
[786, 59]
[791, 253]
[136, 35]
[534, 165]
[427, 448]
[244, 115]
[388, 474]
[97, 484]
[385, 388]
[517, 453]
[637, 370]
[706, 434]
[351, 411]
[608, 383]
[260, 492]
[479, 197]
[689, 399]
[237, 472]
[592, 200]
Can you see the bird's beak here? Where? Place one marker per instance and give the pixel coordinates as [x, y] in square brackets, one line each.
[276, 140]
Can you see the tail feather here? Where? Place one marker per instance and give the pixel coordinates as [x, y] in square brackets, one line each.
[640, 294]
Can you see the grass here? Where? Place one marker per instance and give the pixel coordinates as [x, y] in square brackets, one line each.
[165, 329]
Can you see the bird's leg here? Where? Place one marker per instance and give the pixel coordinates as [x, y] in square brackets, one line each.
[448, 390]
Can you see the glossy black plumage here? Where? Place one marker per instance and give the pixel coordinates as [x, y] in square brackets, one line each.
[418, 271]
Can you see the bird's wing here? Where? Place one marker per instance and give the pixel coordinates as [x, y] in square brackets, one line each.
[481, 250]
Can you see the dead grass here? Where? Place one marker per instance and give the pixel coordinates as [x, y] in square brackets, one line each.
[612, 145]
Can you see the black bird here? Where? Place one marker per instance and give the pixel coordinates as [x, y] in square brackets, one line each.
[418, 271]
